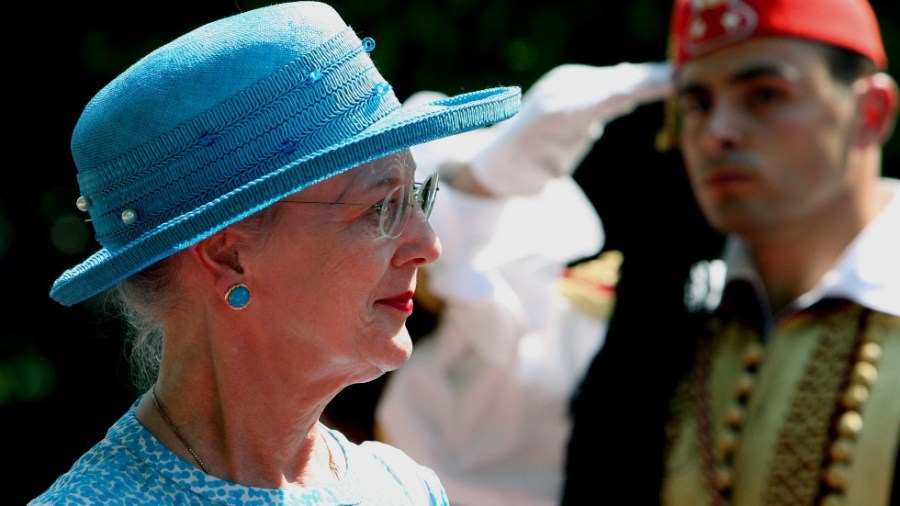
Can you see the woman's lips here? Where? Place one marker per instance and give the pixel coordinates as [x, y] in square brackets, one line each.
[403, 301]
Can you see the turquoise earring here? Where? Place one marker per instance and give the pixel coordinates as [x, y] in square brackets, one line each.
[238, 296]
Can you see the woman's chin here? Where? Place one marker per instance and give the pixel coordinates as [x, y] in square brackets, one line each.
[398, 352]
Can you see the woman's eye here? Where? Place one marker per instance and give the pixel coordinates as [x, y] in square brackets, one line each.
[389, 205]
[376, 210]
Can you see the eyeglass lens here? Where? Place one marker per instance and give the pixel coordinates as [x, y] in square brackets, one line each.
[396, 206]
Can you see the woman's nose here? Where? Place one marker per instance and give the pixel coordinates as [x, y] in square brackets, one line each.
[419, 243]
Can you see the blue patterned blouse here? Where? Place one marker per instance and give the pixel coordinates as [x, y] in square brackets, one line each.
[131, 467]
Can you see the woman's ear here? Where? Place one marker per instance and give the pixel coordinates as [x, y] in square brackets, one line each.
[878, 102]
[218, 256]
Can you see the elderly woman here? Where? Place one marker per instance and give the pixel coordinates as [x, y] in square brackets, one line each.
[253, 190]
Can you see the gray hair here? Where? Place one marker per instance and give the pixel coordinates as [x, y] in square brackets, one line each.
[144, 299]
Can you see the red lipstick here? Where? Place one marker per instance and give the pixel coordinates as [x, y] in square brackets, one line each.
[403, 301]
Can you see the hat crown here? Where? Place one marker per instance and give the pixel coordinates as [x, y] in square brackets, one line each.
[219, 58]
[223, 105]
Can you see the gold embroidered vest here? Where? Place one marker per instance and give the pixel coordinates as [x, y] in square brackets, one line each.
[810, 417]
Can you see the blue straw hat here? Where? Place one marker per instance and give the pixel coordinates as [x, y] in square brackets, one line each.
[230, 118]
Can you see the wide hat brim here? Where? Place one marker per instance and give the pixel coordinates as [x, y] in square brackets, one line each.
[402, 129]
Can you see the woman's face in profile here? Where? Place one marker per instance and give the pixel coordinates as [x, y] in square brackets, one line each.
[329, 287]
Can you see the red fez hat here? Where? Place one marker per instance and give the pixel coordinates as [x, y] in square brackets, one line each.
[701, 26]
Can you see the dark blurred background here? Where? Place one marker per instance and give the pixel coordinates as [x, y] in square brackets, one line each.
[63, 375]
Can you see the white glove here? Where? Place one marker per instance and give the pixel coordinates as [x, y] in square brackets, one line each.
[562, 115]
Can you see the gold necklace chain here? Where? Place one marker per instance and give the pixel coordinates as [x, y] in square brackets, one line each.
[162, 412]
[331, 463]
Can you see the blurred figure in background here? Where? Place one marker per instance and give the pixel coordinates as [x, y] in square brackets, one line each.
[782, 108]
[484, 398]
